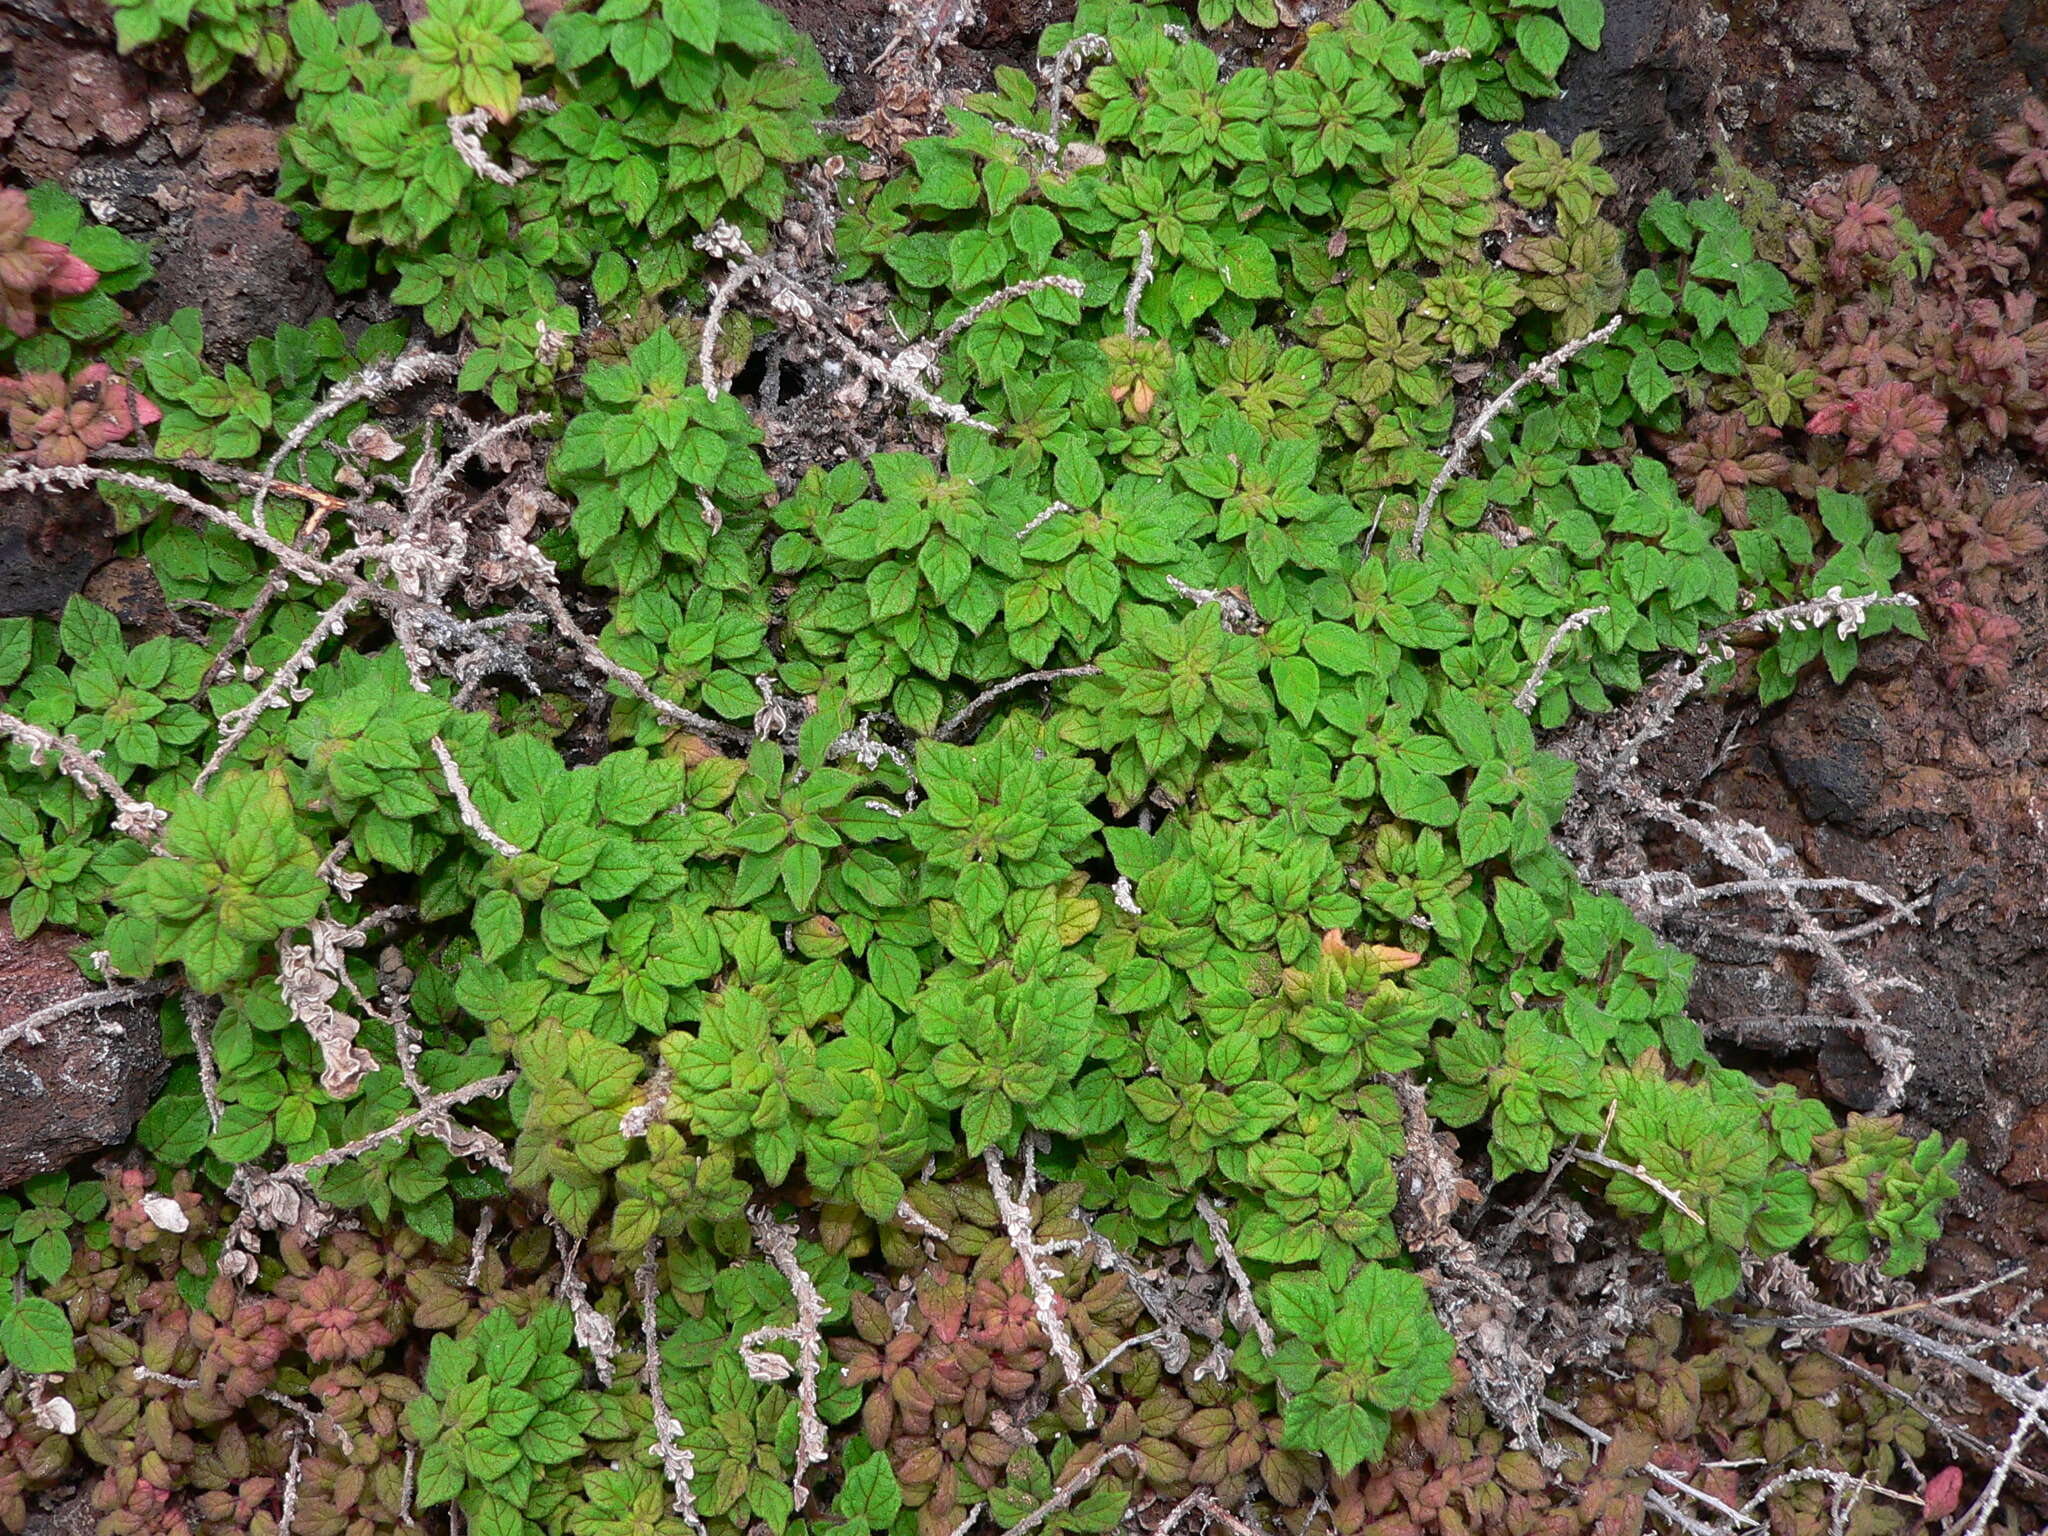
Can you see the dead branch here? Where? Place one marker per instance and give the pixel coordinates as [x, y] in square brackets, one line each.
[594, 1331]
[1083, 46]
[1239, 616]
[1244, 1308]
[1141, 277]
[372, 383]
[1668, 1478]
[1071, 286]
[465, 805]
[1038, 1276]
[1609, 756]
[280, 692]
[968, 713]
[31, 1028]
[1169, 1341]
[134, 818]
[1545, 370]
[778, 1242]
[678, 1463]
[1525, 697]
[465, 131]
[537, 575]
[1065, 1495]
[1598, 1158]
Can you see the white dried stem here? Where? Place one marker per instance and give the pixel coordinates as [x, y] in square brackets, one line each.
[1085, 45]
[1847, 614]
[967, 317]
[537, 575]
[1986, 1504]
[465, 806]
[1636, 1171]
[1053, 510]
[134, 818]
[1065, 1495]
[372, 383]
[722, 296]
[637, 1120]
[904, 374]
[594, 1331]
[1141, 277]
[1545, 370]
[309, 975]
[280, 692]
[30, 1029]
[918, 1222]
[288, 1508]
[678, 1464]
[412, 1468]
[430, 1119]
[966, 716]
[1442, 56]
[306, 567]
[1668, 1478]
[1245, 1308]
[479, 1245]
[1038, 1278]
[1206, 1505]
[1239, 616]
[200, 1012]
[778, 1242]
[465, 131]
[1525, 699]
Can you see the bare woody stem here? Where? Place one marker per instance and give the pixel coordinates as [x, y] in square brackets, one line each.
[969, 713]
[1545, 370]
[137, 818]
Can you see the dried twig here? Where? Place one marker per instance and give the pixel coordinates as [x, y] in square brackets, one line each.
[1082, 46]
[1065, 1495]
[1668, 1478]
[779, 1243]
[31, 1028]
[1244, 1307]
[678, 1464]
[280, 692]
[1072, 286]
[971, 711]
[1545, 370]
[1141, 277]
[465, 806]
[135, 818]
[1598, 1157]
[465, 131]
[1038, 1277]
[1525, 698]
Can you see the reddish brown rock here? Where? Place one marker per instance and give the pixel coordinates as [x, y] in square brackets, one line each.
[90, 1078]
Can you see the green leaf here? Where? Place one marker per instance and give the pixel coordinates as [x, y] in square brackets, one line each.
[36, 1338]
[1584, 19]
[1543, 43]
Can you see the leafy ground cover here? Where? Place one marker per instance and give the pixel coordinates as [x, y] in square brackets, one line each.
[718, 986]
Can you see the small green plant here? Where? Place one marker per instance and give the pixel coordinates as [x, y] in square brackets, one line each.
[237, 872]
[501, 1406]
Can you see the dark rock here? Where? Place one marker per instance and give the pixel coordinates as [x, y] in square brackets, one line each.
[1821, 29]
[91, 1078]
[73, 1517]
[242, 264]
[1834, 764]
[49, 545]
